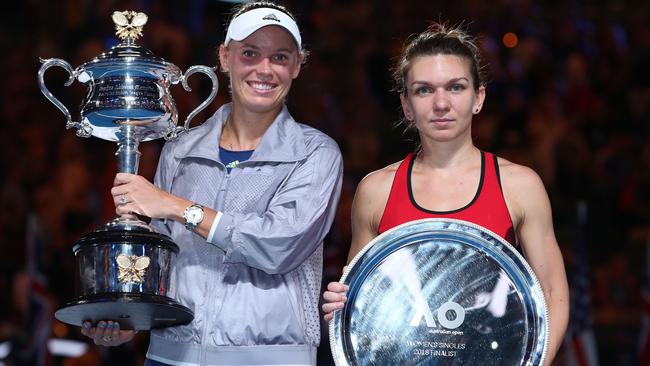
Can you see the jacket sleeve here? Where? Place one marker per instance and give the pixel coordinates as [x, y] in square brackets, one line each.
[296, 221]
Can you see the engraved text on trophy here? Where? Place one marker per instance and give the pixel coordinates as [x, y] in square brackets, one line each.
[126, 93]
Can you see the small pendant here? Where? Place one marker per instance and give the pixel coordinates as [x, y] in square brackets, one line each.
[232, 164]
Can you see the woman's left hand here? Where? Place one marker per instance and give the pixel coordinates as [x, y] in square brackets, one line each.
[334, 299]
[107, 333]
[133, 194]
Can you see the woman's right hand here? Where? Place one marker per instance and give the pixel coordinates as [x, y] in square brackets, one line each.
[334, 299]
[107, 333]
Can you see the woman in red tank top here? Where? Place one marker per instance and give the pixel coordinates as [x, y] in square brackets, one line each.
[441, 88]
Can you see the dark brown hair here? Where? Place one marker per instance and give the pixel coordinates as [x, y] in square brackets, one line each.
[439, 39]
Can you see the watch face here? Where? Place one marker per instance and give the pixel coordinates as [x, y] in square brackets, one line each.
[194, 215]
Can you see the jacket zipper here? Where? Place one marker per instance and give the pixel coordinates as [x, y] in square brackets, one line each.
[225, 182]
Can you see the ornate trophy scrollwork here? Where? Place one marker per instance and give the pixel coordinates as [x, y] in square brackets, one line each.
[128, 24]
[132, 267]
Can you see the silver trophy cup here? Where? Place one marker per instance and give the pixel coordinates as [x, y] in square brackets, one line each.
[124, 268]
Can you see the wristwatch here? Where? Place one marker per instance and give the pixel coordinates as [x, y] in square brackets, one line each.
[193, 216]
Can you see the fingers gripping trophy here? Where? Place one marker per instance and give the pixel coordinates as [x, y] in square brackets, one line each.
[124, 267]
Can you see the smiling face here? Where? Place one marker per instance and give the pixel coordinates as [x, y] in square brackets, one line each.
[261, 69]
[440, 99]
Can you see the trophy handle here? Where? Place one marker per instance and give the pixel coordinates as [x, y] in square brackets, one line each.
[215, 87]
[83, 129]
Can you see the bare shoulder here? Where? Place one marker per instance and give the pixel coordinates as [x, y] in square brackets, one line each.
[379, 181]
[368, 206]
[522, 188]
[517, 176]
[373, 191]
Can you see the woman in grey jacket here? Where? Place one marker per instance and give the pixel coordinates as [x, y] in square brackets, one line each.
[248, 196]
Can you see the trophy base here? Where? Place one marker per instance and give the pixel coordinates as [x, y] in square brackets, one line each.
[131, 311]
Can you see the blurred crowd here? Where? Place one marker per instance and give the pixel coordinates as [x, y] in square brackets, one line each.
[568, 95]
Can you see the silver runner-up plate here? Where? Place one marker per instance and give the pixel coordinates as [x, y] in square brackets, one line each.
[440, 292]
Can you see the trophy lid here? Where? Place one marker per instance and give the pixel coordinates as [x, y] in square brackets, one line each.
[128, 26]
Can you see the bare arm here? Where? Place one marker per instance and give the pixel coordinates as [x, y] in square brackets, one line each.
[367, 208]
[531, 211]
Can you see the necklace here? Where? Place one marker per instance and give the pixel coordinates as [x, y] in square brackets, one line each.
[225, 141]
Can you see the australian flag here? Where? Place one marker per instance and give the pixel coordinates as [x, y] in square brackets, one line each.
[644, 340]
[38, 322]
[580, 342]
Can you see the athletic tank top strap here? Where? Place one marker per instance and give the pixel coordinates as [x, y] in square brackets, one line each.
[492, 209]
[398, 207]
[488, 207]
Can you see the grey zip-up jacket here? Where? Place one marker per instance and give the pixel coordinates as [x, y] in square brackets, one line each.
[255, 288]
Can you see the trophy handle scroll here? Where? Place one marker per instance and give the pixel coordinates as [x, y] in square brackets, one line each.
[213, 93]
[83, 128]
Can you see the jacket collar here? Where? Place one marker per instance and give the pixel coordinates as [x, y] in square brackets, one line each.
[283, 141]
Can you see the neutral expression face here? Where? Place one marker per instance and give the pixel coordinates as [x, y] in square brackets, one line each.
[440, 99]
[261, 68]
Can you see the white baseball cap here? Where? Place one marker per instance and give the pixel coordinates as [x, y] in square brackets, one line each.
[245, 24]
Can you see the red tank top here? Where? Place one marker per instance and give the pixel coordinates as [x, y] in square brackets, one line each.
[487, 209]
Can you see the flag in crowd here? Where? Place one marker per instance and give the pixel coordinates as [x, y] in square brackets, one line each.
[644, 340]
[38, 323]
[579, 341]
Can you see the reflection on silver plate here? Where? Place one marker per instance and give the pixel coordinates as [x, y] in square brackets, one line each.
[440, 292]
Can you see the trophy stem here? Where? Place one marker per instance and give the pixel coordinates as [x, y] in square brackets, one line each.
[128, 156]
